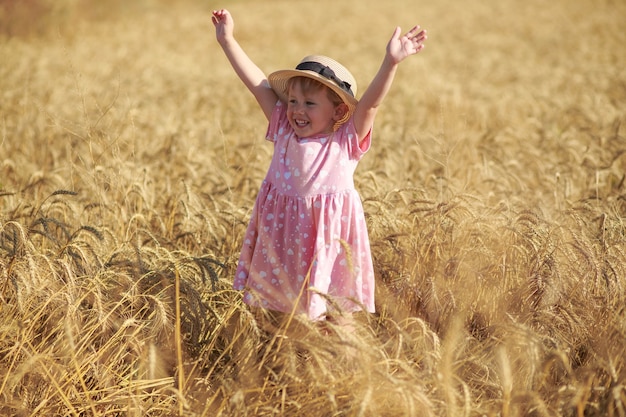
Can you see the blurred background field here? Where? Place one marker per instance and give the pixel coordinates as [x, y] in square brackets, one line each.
[130, 157]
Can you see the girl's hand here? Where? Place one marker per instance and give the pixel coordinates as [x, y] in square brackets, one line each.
[224, 25]
[399, 47]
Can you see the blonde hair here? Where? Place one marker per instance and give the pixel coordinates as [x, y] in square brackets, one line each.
[308, 84]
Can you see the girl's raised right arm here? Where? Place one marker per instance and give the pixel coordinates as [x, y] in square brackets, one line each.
[251, 75]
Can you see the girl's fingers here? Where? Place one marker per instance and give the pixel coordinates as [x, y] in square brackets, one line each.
[414, 30]
[220, 14]
[416, 34]
[396, 32]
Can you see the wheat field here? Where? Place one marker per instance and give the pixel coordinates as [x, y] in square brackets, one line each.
[130, 157]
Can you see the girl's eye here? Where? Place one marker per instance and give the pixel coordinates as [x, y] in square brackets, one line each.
[310, 103]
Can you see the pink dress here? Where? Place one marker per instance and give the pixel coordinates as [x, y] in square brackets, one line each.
[306, 248]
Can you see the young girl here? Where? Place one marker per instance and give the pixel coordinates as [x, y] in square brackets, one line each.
[306, 249]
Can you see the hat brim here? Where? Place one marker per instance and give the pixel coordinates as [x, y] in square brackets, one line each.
[279, 81]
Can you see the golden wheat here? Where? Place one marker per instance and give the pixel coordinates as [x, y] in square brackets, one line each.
[130, 156]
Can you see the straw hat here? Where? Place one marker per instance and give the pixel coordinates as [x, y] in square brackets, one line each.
[323, 69]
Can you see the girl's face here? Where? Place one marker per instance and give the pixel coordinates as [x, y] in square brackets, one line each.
[311, 111]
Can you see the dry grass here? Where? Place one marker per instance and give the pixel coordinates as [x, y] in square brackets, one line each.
[130, 156]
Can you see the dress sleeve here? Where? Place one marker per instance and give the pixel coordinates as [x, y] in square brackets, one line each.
[278, 121]
[356, 150]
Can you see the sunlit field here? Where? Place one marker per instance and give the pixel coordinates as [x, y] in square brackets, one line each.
[495, 197]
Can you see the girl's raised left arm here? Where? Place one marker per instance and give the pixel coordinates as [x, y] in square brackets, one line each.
[398, 48]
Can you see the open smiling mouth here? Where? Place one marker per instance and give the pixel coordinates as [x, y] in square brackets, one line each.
[301, 123]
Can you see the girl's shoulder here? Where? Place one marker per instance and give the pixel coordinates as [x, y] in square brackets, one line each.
[278, 123]
[347, 136]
